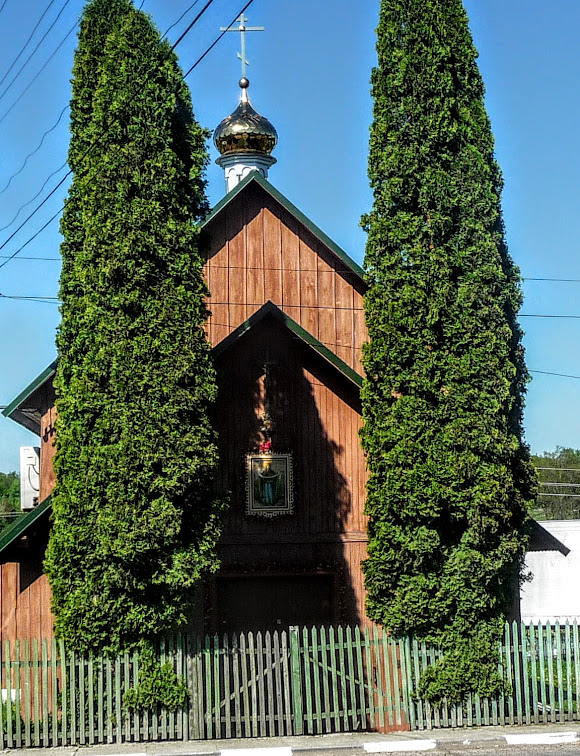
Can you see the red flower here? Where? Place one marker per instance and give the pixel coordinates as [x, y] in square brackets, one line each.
[265, 447]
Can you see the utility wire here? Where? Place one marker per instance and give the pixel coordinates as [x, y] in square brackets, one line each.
[191, 25]
[38, 207]
[38, 193]
[22, 257]
[41, 69]
[560, 485]
[66, 107]
[185, 12]
[558, 280]
[214, 43]
[3, 4]
[530, 315]
[568, 496]
[30, 154]
[561, 375]
[15, 61]
[35, 235]
[27, 61]
[563, 469]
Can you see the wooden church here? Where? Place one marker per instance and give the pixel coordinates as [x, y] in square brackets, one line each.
[287, 328]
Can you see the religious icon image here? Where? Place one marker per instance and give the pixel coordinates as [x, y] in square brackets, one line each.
[269, 484]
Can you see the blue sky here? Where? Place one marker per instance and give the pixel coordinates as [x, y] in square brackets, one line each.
[309, 75]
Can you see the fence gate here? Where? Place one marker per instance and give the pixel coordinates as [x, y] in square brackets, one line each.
[346, 680]
[309, 680]
[240, 686]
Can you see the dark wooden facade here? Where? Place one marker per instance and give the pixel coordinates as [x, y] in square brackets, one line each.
[297, 568]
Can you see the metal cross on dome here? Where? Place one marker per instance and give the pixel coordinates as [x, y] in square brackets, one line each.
[242, 28]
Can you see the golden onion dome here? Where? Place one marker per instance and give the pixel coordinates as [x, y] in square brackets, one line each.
[245, 130]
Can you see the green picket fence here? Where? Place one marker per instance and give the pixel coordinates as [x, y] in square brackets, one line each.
[307, 681]
[53, 697]
[304, 681]
[540, 666]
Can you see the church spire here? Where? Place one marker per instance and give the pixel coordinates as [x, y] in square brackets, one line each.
[244, 139]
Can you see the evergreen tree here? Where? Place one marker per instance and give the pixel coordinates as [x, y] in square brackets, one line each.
[135, 516]
[450, 480]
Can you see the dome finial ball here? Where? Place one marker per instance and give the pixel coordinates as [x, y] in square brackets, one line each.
[244, 83]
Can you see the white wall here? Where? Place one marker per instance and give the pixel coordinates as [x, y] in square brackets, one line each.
[554, 592]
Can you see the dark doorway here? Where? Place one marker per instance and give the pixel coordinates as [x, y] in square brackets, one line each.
[273, 603]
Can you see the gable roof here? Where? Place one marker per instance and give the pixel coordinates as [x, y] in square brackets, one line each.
[18, 410]
[257, 178]
[271, 310]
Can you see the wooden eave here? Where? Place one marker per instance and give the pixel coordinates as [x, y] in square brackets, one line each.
[20, 526]
[271, 310]
[24, 409]
[256, 178]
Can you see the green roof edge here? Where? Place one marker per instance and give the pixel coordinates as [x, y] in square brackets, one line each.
[293, 210]
[30, 389]
[22, 524]
[269, 308]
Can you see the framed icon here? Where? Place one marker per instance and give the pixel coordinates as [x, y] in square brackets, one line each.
[269, 484]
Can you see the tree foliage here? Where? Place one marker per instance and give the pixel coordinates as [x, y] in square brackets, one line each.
[135, 516]
[9, 492]
[449, 477]
[558, 476]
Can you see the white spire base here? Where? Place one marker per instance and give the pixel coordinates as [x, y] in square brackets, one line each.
[238, 165]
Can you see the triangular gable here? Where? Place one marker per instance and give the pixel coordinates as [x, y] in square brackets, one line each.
[318, 233]
[270, 310]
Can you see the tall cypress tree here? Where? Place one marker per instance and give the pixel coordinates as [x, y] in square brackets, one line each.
[135, 516]
[449, 476]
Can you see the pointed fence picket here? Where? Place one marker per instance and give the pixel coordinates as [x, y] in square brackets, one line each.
[540, 668]
[307, 680]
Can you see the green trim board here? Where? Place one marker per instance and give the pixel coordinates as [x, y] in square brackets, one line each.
[15, 410]
[270, 309]
[293, 210]
[23, 523]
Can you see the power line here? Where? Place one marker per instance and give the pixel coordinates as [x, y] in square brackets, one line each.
[33, 237]
[25, 221]
[568, 496]
[563, 469]
[38, 193]
[3, 4]
[569, 317]
[45, 11]
[27, 61]
[33, 299]
[30, 154]
[37, 208]
[557, 280]
[185, 12]
[40, 70]
[55, 259]
[559, 485]
[210, 48]
[192, 24]
[561, 375]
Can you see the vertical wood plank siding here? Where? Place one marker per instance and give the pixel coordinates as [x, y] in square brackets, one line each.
[257, 251]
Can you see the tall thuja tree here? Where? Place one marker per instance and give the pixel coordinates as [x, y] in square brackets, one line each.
[135, 516]
[449, 476]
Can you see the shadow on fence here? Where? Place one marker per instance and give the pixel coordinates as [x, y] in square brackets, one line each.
[305, 681]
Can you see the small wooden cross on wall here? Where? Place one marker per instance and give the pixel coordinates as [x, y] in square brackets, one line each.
[242, 28]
